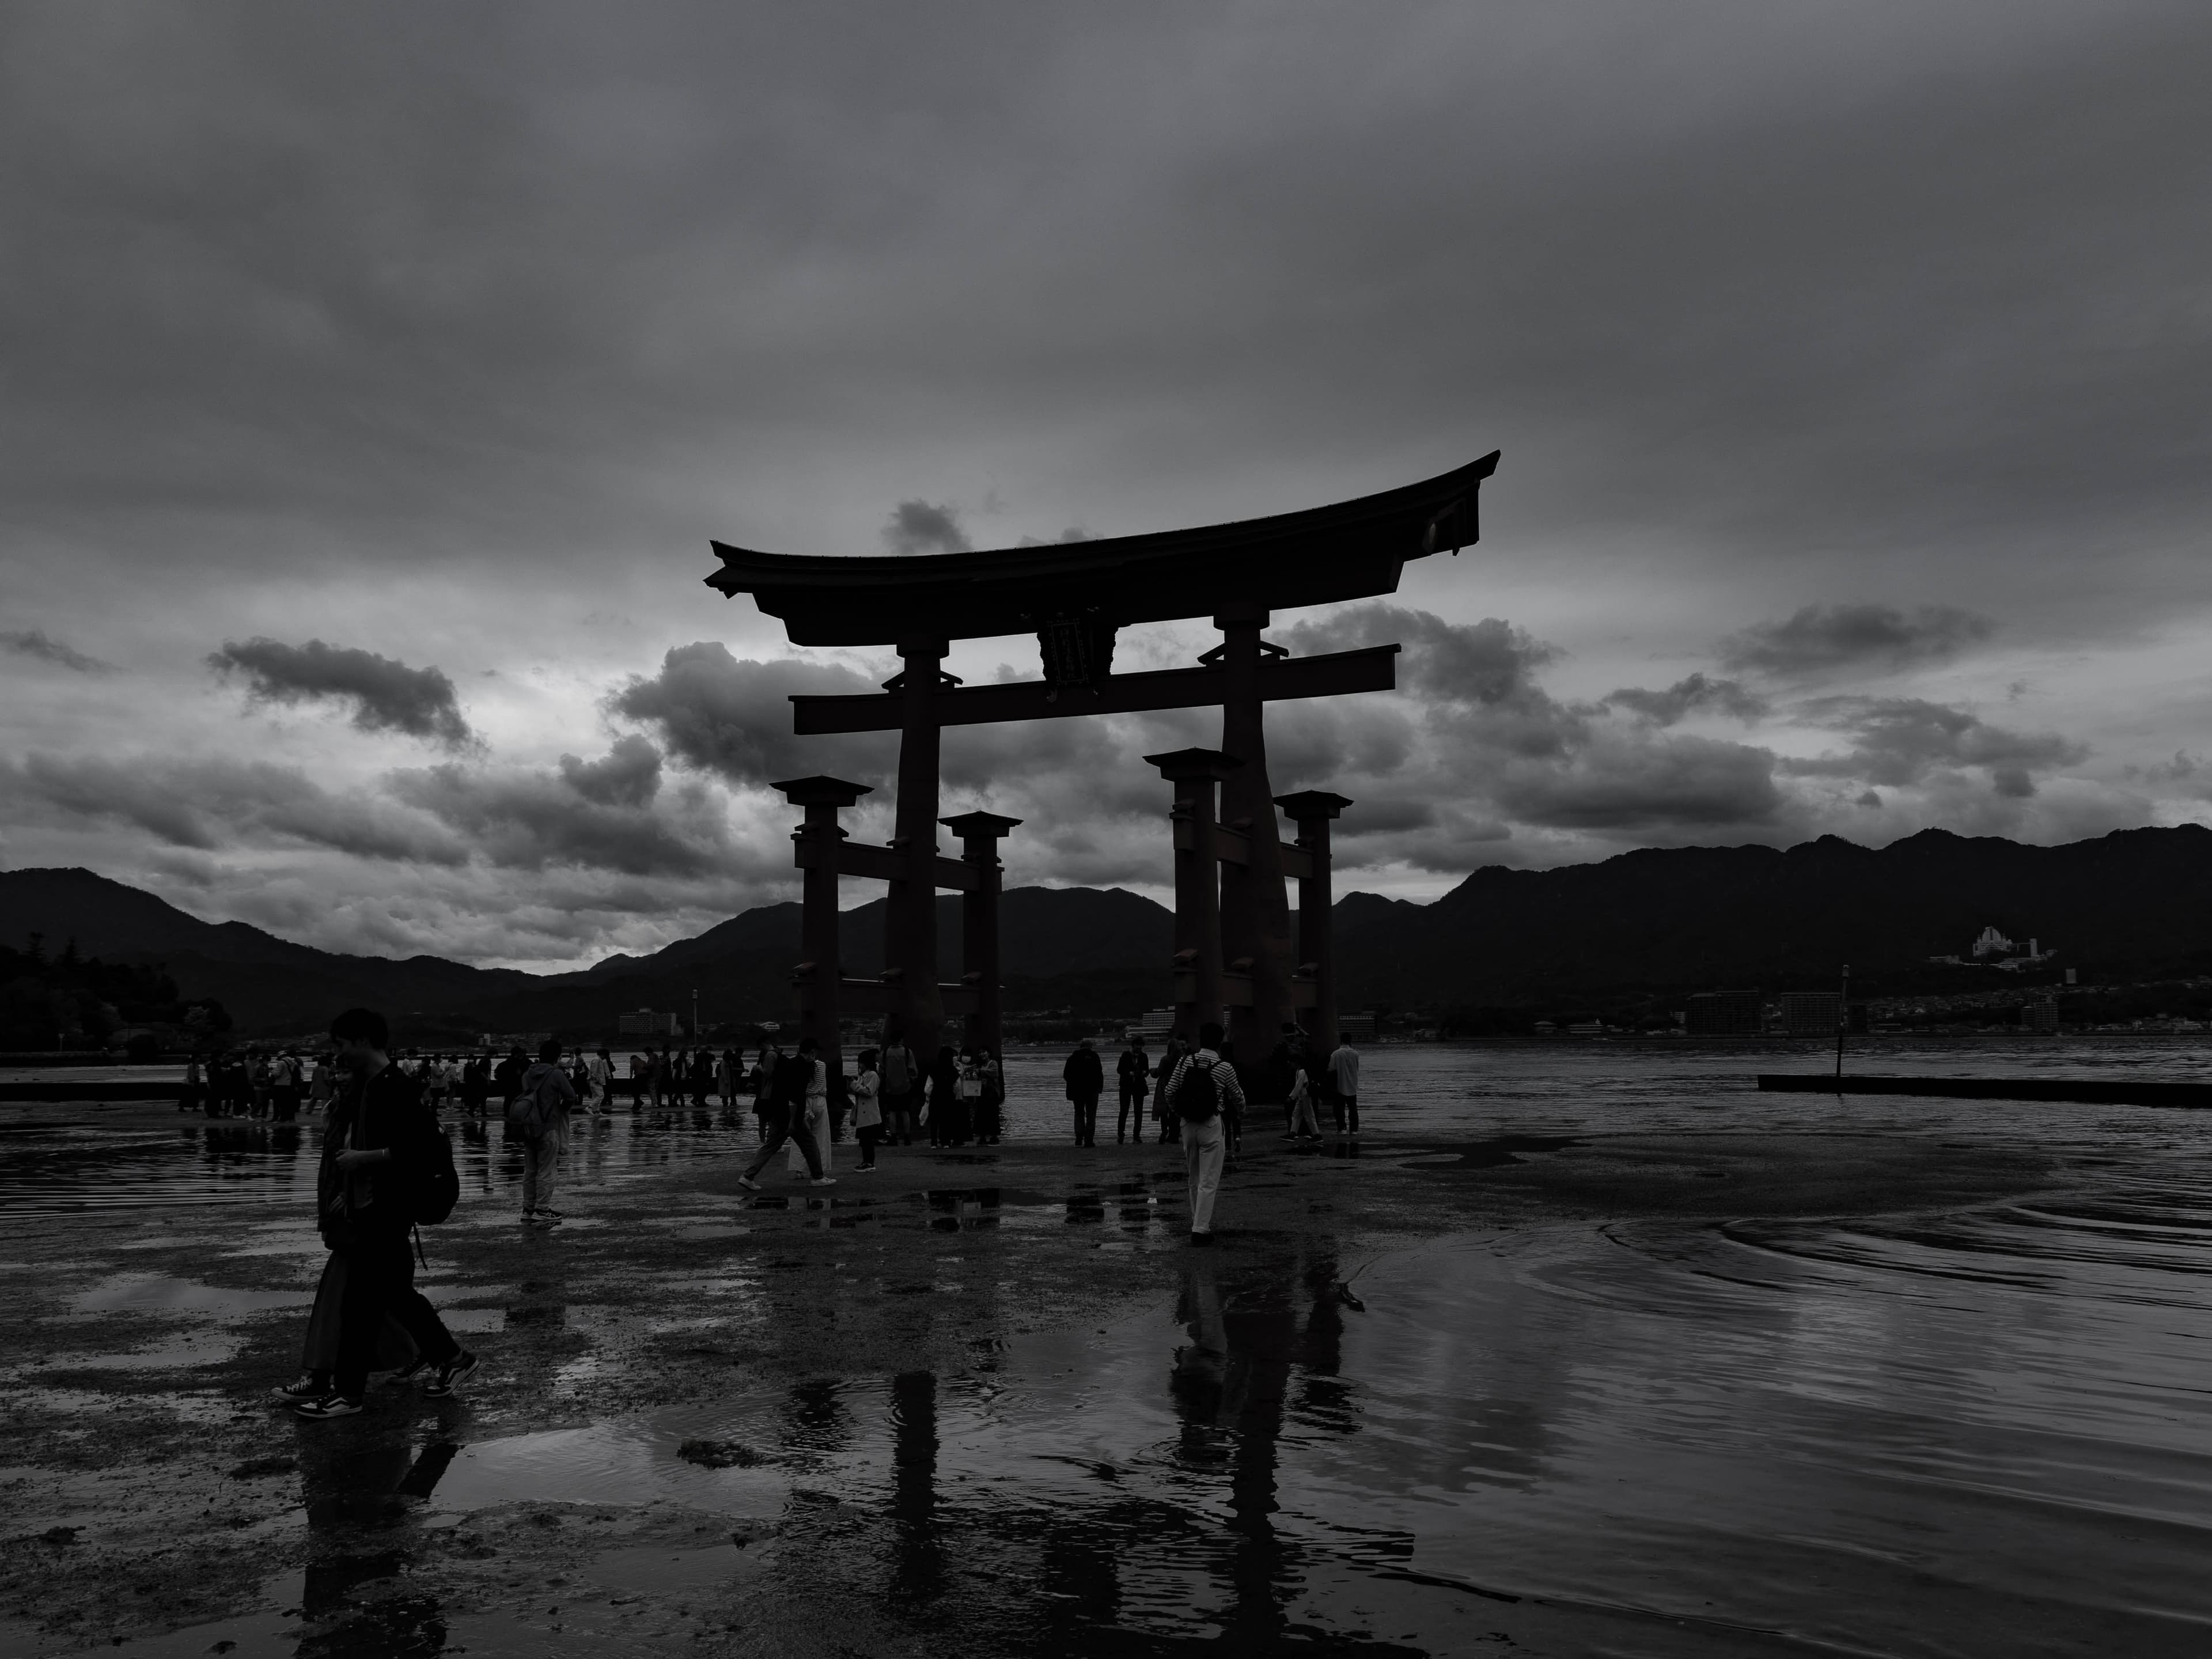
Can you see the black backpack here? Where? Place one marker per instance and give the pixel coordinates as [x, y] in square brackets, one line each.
[1197, 1096]
[437, 1186]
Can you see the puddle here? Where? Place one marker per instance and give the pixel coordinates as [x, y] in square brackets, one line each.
[180, 1354]
[620, 1464]
[157, 1293]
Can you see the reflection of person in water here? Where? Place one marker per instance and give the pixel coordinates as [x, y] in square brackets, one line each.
[359, 1524]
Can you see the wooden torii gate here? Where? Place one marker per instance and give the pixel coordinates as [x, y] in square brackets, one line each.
[1234, 942]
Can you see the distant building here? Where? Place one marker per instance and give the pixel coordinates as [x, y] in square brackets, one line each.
[1725, 1014]
[1154, 1027]
[2041, 1017]
[646, 1022]
[1811, 1013]
[1993, 950]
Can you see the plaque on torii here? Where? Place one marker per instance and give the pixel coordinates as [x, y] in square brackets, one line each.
[1234, 956]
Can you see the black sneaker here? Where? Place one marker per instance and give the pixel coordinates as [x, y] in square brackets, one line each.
[462, 1365]
[409, 1372]
[329, 1405]
[302, 1387]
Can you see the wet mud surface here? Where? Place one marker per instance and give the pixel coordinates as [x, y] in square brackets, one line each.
[1552, 1389]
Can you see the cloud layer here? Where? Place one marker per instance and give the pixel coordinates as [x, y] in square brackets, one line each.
[383, 695]
[1848, 362]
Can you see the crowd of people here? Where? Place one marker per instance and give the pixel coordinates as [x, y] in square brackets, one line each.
[387, 1167]
[1297, 1076]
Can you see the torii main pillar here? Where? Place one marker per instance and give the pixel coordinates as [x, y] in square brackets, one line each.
[1256, 918]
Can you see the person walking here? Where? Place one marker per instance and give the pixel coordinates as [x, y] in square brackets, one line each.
[947, 1126]
[1305, 1125]
[323, 1085]
[1344, 1089]
[377, 1157]
[867, 1110]
[1134, 1070]
[541, 1112]
[810, 1142]
[896, 1067]
[782, 1120]
[506, 1079]
[991, 1119]
[1085, 1074]
[1162, 1108]
[599, 1071]
[1204, 1090]
[189, 1098]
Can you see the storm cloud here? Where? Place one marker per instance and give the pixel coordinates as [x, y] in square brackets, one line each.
[383, 695]
[918, 526]
[1823, 639]
[1899, 741]
[221, 804]
[36, 642]
[1697, 694]
[731, 716]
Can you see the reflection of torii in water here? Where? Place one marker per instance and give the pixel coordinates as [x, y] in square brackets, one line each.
[1074, 596]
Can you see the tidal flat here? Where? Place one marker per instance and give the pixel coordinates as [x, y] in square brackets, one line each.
[1585, 1351]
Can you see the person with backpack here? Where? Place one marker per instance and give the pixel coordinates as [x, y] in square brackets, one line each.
[1204, 1088]
[1084, 1075]
[385, 1166]
[540, 1115]
[897, 1069]
[789, 1092]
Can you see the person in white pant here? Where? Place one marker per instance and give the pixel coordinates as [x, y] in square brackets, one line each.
[1202, 1085]
[814, 1124]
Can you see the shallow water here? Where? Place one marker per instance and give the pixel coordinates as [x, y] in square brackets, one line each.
[70, 1157]
[1972, 1434]
[1969, 1430]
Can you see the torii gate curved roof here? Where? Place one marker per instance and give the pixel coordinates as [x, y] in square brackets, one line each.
[1354, 549]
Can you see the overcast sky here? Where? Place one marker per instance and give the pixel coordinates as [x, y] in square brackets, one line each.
[375, 377]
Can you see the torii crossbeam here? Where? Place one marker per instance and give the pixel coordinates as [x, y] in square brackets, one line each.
[1074, 596]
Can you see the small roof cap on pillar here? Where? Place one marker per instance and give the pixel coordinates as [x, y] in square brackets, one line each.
[820, 791]
[1179, 763]
[969, 826]
[1309, 804]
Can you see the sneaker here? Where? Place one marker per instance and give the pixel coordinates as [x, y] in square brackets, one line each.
[824, 1181]
[301, 1388]
[748, 1183]
[461, 1365]
[529, 1216]
[550, 1218]
[862, 1169]
[329, 1405]
[410, 1372]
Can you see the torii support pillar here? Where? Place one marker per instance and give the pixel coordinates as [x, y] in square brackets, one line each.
[1311, 809]
[821, 972]
[911, 914]
[1195, 774]
[979, 835]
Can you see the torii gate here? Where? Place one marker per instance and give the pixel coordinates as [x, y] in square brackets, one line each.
[1232, 918]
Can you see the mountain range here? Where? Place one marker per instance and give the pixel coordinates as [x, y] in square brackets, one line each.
[1658, 921]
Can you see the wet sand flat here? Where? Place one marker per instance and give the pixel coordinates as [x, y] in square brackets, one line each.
[1544, 1378]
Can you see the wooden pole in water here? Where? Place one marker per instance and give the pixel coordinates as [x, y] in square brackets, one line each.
[1842, 1017]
